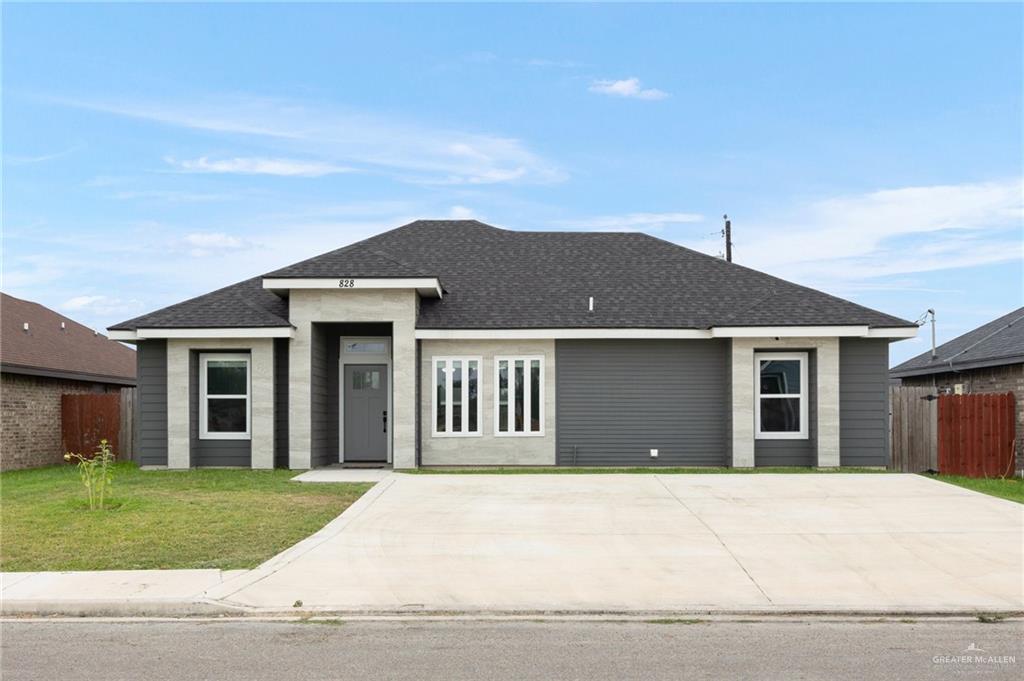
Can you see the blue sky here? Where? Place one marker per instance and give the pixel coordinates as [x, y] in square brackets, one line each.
[153, 153]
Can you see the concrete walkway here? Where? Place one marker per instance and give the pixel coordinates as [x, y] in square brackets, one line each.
[596, 543]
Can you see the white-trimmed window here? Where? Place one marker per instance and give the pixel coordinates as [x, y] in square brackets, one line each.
[456, 402]
[519, 395]
[224, 388]
[780, 404]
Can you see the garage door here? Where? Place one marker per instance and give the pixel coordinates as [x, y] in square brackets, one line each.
[619, 399]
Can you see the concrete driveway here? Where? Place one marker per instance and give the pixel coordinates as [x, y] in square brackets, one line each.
[654, 543]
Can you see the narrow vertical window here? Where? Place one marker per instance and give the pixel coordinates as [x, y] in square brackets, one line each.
[473, 372]
[502, 396]
[519, 398]
[440, 403]
[456, 396]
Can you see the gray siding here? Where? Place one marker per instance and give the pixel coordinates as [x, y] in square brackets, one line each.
[618, 399]
[281, 402]
[320, 453]
[211, 452]
[863, 402]
[795, 452]
[151, 411]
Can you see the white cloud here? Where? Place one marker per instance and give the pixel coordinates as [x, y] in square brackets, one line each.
[206, 243]
[17, 160]
[461, 213]
[342, 138]
[101, 305]
[172, 196]
[285, 167]
[631, 221]
[836, 241]
[629, 87]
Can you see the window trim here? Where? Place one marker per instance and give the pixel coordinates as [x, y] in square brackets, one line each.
[204, 360]
[802, 434]
[448, 359]
[528, 400]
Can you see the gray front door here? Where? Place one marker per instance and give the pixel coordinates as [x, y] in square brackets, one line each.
[366, 412]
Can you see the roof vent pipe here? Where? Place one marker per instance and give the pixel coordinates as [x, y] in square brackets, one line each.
[63, 326]
[24, 327]
[591, 303]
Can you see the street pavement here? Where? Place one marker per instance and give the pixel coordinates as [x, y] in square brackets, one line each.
[784, 649]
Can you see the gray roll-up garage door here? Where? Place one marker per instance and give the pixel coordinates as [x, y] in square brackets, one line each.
[618, 399]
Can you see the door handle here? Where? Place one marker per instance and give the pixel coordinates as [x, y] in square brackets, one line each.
[385, 418]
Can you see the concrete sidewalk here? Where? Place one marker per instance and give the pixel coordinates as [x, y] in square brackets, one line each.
[112, 592]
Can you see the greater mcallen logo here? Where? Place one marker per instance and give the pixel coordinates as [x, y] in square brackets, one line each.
[974, 654]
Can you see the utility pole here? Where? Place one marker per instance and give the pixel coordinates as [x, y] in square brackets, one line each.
[932, 313]
[727, 233]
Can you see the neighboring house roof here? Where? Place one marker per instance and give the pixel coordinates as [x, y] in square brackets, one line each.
[46, 349]
[500, 279]
[999, 342]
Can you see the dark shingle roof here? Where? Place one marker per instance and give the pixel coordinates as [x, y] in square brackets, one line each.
[999, 342]
[496, 278]
[245, 304]
[74, 350]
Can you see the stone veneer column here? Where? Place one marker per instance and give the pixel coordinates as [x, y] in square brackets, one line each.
[742, 353]
[826, 397]
[300, 407]
[179, 433]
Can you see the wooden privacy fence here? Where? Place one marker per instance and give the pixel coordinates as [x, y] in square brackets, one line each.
[87, 418]
[976, 435]
[914, 431]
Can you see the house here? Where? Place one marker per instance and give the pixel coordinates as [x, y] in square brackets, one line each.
[445, 343]
[44, 355]
[989, 359]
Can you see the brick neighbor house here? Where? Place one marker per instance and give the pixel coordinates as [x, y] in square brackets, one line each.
[44, 355]
[989, 359]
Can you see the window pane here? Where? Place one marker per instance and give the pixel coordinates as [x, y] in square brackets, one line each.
[365, 379]
[519, 395]
[780, 415]
[225, 415]
[376, 347]
[503, 396]
[473, 377]
[441, 404]
[457, 396]
[535, 396]
[226, 377]
[780, 377]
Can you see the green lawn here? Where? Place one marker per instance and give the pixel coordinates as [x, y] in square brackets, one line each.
[1005, 488]
[567, 470]
[161, 519]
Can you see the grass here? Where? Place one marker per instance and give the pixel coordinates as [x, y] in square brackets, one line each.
[228, 519]
[661, 470]
[1004, 488]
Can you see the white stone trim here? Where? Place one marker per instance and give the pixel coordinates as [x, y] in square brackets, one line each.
[427, 286]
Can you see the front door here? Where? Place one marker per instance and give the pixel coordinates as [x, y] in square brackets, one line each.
[366, 412]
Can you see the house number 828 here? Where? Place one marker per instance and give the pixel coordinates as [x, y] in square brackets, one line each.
[346, 283]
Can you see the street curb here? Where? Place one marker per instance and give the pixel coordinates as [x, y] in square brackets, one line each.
[113, 608]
